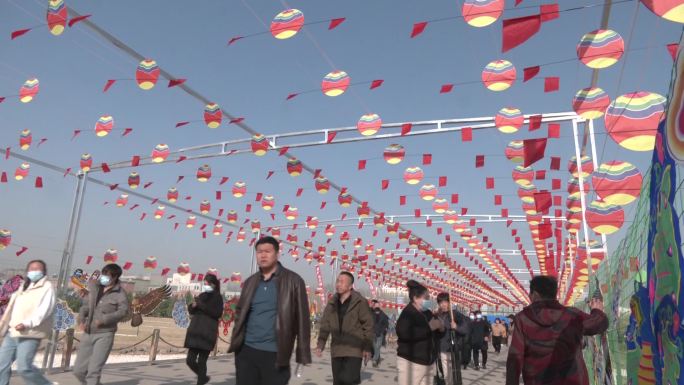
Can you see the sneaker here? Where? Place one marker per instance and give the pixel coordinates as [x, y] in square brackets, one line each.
[204, 381]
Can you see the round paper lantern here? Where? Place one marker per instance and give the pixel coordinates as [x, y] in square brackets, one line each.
[574, 217]
[111, 256]
[573, 228]
[308, 244]
[241, 235]
[509, 120]
[267, 202]
[294, 167]
[259, 145]
[291, 213]
[122, 200]
[523, 176]
[287, 23]
[529, 208]
[605, 218]
[312, 223]
[379, 220]
[275, 232]
[159, 212]
[481, 13]
[672, 10]
[363, 211]
[526, 193]
[256, 225]
[236, 277]
[218, 229]
[232, 216]
[239, 189]
[212, 115]
[104, 125]
[22, 171]
[191, 221]
[590, 103]
[86, 162]
[5, 238]
[183, 269]
[147, 74]
[600, 48]
[203, 173]
[394, 153]
[586, 163]
[632, 120]
[515, 151]
[574, 187]
[617, 183]
[25, 139]
[345, 199]
[404, 235]
[329, 230]
[172, 195]
[160, 153]
[369, 124]
[413, 175]
[322, 184]
[574, 204]
[150, 263]
[335, 83]
[440, 205]
[428, 192]
[133, 180]
[392, 228]
[56, 16]
[534, 219]
[499, 75]
[205, 207]
[450, 217]
[29, 90]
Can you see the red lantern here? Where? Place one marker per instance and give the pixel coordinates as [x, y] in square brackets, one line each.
[204, 173]
[172, 195]
[413, 175]
[159, 212]
[312, 223]
[394, 154]
[329, 230]
[294, 167]
[205, 207]
[267, 202]
[111, 256]
[160, 153]
[440, 205]
[259, 145]
[150, 263]
[183, 269]
[379, 220]
[344, 199]
[363, 211]
[232, 216]
[25, 139]
[191, 221]
[428, 192]
[218, 229]
[256, 225]
[122, 200]
[291, 213]
[605, 218]
[212, 115]
[617, 183]
[239, 189]
[322, 185]
[523, 175]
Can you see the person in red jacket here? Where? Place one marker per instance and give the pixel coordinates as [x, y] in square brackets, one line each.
[546, 346]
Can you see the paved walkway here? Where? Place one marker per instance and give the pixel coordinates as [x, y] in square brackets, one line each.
[222, 371]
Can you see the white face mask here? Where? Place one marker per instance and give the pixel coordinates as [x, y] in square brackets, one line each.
[207, 289]
[35, 275]
[472, 316]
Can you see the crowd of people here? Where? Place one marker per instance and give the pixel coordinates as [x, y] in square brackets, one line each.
[272, 322]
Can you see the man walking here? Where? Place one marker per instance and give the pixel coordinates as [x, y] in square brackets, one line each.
[273, 312]
[348, 318]
[479, 338]
[380, 325]
[466, 352]
[450, 346]
[546, 347]
[498, 335]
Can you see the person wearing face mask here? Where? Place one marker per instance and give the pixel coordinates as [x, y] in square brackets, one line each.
[201, 336]
[419, 332]
[479, 336]
[466, 352]
[26, 321]
[103, 308]
[380, 325]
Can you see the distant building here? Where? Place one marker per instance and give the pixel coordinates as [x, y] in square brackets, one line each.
[141, 284]
[181, 283]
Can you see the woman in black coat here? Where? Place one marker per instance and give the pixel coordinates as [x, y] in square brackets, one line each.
[202, 333]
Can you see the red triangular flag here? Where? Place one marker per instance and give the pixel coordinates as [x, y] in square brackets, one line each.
[331, 136]
[291, 96]
[223, 181]
[299, 191]
[109, 84]
[127, 265]
[127, 131]
[489, 183]
[418, 28]
[283, 150]
[180, 178]
[530, 72]
[446, 88]
[270, 174]
[519, 30]
[533, 150]
[135, 161]
[548, 12]
[67, 171]
[376, 83]
[672, 49]
[234, 39]
[105, 167]
[335, 22]
[551, 83]
[77, 19]
[176, 82]
[181, 124]
[385, 184]
[362, 164]
[17, 33]
[21, 251]
[76, 133]
[467, 134]
[406, 128]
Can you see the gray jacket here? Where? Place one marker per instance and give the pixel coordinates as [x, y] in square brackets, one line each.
[109, 308]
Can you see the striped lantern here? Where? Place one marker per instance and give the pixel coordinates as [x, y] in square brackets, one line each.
[573, 228]
[150, 263]
[394, 153]
[523, 176]
[56, 17]
[218, 229]
[509, 120]
[287, 23]
[413, 175]
[133, 180]
[204, 173]
[239, 189]
[672, 10]
[529, 208]
[450, 217]
[515, 151]
[86, 162]
[308, 244]
[191, 221]
[344, 237]
[25, 139]
[590, 103]
[440, 205]
[392, 228]
[147, 74]
[275, 232]
[122, 200]
[267, 202]
[232, 216]
[574, 187]
[404, 235]
[236, 277]
[363, 211]
[413, 242]
[312, 223]
[533, 219]
[329, 230]
[600, 48]
[172, 195]
[256, 225]
[586, 163]
[212, 271]
[212, 115]
[344, 199]
[183, 269]
[335, 83]
[369, 124]
[573, 204]
[428, 192]
[291, 213]
[29, 90]
[322, 184]
[205, 207]
[104, 125]
[22, 171]
[499, 75]
[617, 183]
[111, 256]
[632, 120]
[159, 212]
[481, 13]
[294, 253]
[5, 238]
[294, 167]
[160, 153]
[526, 193]
[605, 218]
[241, 235]
[259, 145]
[322, 250]
[379, 220]
[369, 249]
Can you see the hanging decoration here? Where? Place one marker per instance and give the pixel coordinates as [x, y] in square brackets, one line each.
[322, 184]
[191, 222]
[335, 83]
[617, 182]
[268, 202]
[22, 171]
[499, 75]
[428, 192]
[212, 115]
[147, 74]
[29, 90]
[590, 103]
[203, 173]
[574, 187]
[369, 124]
[183, 269]
[440, 205]
[481, 13]
[86, 162]
[159, 212]
[291, 213]
[413, 175]
[218, 229]
[150, 263]
[205, 207]
[232, 216]
[25, 139]
[672, 10]
[605, 218]
[515, 151]
[344, 199]
[122, 200]
[523, 175]
[259, 145]
[160, 153]
[586, 163]
[509, 120]
[287, 23]
[600, 48]
[133, 180]
[111, 256]
[172, 195]
[5, 238]
[104, 125]
[239, 189]
[294, 167]
[394, 153]
[56, 16]
[632, 120]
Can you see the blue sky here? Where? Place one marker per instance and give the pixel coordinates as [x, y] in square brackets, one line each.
[251, 79]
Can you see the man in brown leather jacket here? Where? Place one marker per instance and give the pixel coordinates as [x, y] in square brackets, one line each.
[273, 312]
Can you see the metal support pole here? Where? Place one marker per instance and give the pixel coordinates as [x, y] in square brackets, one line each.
[594, 158]
[253, 266]
[580, 179]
